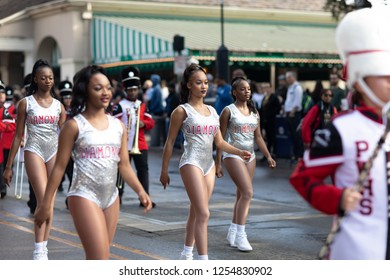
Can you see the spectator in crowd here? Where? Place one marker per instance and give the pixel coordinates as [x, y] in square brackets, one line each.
[337, 91]
[238, 73]
[173, 100]
[281, 90]
[270, 107]
[317, 91]
[293, 111]
[212, 90]
[257, 96]
[317, 117]
[224, 97]
[156, 109]
[307, 102]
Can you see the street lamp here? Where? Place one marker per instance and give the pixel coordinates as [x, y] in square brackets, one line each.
[223, 53]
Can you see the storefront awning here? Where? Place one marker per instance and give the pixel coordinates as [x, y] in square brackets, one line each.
[114, 42]
[145, 39]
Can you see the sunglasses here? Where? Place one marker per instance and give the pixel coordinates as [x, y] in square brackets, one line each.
[328, 95]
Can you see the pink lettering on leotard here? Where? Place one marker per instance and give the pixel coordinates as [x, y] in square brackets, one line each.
[106, 152]
[246, 128]
[42, 119]
[198, 129]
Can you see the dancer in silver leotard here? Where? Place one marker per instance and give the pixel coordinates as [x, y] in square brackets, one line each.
[240, 131]
[200, 126]
[199, 132]
[39, 117]
[92, 179]
[97, 142]
[42, 128]
[240, 127]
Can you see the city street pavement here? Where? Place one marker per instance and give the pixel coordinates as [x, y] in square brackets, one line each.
[280, 226]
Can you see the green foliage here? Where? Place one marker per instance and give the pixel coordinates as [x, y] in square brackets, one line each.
[338, 7]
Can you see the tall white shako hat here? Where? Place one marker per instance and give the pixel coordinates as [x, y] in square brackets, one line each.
[363, 42]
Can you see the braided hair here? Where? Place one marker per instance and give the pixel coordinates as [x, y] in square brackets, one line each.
[40, 63]
[235, 84]
[80, 89]
[188, 72]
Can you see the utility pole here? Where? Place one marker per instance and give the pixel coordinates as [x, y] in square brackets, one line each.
[222, 61]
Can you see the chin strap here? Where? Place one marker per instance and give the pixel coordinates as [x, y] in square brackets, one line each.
[370, 94]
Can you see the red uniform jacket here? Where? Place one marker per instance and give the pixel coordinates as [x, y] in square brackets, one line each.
[7, 124]
[9, 135]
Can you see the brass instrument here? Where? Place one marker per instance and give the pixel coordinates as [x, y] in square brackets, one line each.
[135, 150]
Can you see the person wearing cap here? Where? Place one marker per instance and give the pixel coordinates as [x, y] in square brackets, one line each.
[350, 140]
[7, 125]
[127, 112]
[65, 89]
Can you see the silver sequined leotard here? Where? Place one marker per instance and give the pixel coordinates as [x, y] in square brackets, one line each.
[199, 132]
[241, 131]
[96, 158]
[42, 128]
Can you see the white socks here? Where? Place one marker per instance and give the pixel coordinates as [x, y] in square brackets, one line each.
[233, 227]
[39, 246]
[187, 254]
[240, 229]
[203, 257]
[40, 251]
[187, 250]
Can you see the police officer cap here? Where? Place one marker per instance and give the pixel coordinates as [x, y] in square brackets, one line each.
[2, 86]
[130, 77]
[65, 88]
[9, 93]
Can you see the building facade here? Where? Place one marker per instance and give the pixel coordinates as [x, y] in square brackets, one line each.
[263, 37]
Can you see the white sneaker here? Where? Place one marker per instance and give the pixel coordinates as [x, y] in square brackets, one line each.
[231, 236]
[40, 255]
[242, 243]
[187, 257]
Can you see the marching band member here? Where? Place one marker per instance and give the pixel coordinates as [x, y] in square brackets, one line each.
[7, 127]
[342, 149]
[133, 114]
